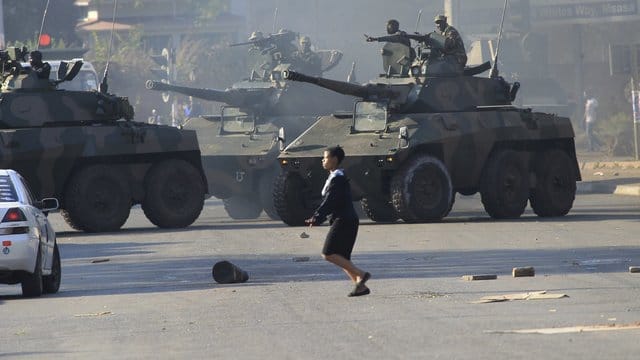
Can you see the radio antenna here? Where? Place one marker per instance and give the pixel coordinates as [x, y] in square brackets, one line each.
[104, 86]
[275, 20]
[44, 16]
[494, 70]
[418, 21]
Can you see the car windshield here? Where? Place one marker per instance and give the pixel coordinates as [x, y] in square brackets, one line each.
[7, 190]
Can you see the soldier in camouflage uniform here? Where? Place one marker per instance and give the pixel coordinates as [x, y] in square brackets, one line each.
[395, 34]
[453, 52]
[306, 60]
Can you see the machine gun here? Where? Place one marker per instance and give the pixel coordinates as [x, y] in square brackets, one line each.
[11, 59]
[273, 40]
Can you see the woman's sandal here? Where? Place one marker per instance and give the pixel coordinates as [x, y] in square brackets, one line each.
[360, 290]
[364, 279]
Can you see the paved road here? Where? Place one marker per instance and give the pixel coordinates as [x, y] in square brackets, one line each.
[155, 297]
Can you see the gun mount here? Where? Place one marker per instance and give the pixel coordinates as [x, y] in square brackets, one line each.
[242, 98]
[369, 92]
[422, 94]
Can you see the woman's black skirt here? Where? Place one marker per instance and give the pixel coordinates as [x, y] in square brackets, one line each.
[341, 237]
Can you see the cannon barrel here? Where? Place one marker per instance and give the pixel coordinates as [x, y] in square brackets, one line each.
[233, 97]
[366, 92]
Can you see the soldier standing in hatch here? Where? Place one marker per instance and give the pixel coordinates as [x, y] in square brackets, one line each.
[395, 34]
[453, 52]
[42, 69]
[338, 204]
[306, 60]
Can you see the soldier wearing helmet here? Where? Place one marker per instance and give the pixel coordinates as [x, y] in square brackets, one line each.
[40, 68]
[306, 60]
[395, 34]
[453, 51]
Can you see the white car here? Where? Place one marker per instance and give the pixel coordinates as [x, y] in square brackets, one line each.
[28, 253]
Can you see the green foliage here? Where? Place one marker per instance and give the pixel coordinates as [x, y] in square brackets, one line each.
[203, 63]
[615, 134]
[22, 20]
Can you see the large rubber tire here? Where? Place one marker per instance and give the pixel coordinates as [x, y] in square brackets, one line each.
[67, 218]
[265, 190]
[555, 188]
[421, 190]
[51, 283]
[174, 195]
[379, 210]
[32, 283]
[288, 197]
[98, 199]
[504, 187]
[242, 208]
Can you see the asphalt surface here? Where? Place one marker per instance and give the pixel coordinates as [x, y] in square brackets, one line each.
[155, 297]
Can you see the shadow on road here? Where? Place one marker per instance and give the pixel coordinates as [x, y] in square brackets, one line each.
[194, 273]
[201, 226]
[101, 250]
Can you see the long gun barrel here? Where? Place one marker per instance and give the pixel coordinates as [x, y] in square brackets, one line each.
[366, 92]
[233, 97]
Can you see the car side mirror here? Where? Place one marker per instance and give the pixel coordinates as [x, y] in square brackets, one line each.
[403, 138]
[282, 140]
[48, 204]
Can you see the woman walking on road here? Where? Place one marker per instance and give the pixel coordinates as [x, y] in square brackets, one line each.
[338, 204]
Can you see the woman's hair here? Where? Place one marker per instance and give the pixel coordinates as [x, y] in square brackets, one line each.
[336, 151]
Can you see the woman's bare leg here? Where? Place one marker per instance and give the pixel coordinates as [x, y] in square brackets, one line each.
[352, 271]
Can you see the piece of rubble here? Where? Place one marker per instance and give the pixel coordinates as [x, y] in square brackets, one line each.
[536, 295]
[480, 277]
[304, 235]
[570, 329]
[523, 271]
[634, 269]
[102, 313]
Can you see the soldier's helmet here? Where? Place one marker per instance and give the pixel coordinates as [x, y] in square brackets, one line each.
[440, 19]
[256, 35]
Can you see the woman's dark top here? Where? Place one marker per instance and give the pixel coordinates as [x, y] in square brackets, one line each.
[336, 199]
[337, 205]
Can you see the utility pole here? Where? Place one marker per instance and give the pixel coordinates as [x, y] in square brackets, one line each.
[452, 10]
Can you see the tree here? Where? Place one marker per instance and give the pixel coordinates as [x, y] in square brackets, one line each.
[22, 20]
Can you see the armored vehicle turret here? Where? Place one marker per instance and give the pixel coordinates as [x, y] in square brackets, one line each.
[240, 146]
[82, 148]
[419, 134]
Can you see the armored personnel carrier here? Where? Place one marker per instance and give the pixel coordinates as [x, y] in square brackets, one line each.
[419, 134]
[241, 145]
[82, 148]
